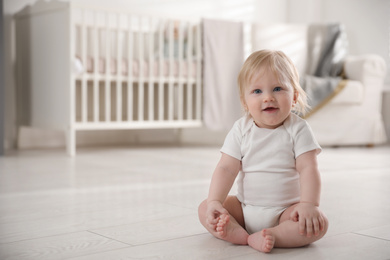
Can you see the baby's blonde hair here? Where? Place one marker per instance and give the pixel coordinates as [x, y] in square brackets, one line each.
[281, 65]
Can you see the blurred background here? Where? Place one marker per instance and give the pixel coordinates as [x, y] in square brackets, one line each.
[367, 25]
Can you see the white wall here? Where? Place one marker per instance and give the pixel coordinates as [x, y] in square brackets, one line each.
[367, 23]
[270, 11]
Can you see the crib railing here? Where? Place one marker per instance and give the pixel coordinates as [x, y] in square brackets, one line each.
[134, 71]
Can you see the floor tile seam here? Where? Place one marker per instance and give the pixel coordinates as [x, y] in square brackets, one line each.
[110, 238]
[43, 237]
[170, 239]
[134, 246]
[126, 246]
[370, 236]
[105, 251]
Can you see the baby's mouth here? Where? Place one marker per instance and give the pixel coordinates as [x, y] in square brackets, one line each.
[270, 109]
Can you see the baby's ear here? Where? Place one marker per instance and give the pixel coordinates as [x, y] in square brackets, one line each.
[243, 103]
[296, 94]
[245, 107]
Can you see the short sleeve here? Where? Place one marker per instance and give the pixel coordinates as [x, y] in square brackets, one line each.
[232, 144]
[303, 136]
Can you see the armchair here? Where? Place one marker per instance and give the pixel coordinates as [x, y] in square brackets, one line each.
[354, 116]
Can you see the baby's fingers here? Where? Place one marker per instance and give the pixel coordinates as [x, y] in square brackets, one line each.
[212, 223]
[316, 226]
[302, 226]
[322, 223]
[309, 227]
[211, 219]
[294, 216]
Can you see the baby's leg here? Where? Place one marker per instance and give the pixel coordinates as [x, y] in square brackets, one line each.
[229, 226]
[286, 234]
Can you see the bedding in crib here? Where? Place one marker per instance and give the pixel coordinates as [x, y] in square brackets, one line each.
[116, 44]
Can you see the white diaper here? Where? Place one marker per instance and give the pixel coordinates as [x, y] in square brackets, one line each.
[257, 218]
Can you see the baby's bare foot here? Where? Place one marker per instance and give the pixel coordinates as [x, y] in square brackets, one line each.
[222, 225]
[228, 229]
[263, 241]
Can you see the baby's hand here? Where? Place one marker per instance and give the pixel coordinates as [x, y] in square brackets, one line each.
[214, 210]
[310, 219]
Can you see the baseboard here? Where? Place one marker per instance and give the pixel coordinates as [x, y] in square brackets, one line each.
[33, 138]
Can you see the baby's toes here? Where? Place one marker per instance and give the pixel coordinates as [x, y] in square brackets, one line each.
[269, 242]
[224, 218]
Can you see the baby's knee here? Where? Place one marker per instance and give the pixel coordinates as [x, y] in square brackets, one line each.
[326, 224]
[202, 209]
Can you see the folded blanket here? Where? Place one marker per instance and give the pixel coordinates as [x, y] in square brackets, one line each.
[223, 58]
[321, 90]
[327, 49]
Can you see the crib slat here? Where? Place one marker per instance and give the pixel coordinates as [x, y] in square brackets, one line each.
[84, 100]
[151, 72]
[189, 74]
[95, 35]
[118, 72]
[198, 74]
[130, 70]
[161, 64]
[180, 106]
[70, 135]
[171, 70]
[141, 72]
[107, 72]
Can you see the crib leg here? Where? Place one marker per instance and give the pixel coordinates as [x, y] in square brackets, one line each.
[71, 142]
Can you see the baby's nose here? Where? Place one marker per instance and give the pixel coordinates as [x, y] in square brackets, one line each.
[268, 98]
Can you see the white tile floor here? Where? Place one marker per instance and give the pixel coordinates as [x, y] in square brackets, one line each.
[141, 202]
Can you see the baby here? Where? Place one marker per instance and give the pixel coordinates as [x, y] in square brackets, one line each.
[274, 154]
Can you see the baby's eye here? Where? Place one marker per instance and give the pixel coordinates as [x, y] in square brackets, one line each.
[278, 89]
[257, 91]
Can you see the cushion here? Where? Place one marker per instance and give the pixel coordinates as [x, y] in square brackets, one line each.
[351, 94]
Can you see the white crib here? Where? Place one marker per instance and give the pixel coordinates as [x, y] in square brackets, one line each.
[87, 69]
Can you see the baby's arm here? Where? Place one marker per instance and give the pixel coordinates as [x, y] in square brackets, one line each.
[223, 178]
[306, 212]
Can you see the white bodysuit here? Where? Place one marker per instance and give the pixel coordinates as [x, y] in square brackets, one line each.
[268, 180]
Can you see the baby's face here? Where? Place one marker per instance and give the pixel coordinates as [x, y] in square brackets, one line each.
[268, 102]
